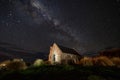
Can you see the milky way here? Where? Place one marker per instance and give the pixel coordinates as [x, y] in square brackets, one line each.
[83, 25]
[64, 32]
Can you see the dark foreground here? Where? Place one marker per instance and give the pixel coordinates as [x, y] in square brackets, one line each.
[60, 72]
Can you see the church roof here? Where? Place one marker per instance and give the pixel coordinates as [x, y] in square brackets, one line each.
[68, 50]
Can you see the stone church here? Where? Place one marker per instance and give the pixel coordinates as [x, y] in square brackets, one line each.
[63, 55]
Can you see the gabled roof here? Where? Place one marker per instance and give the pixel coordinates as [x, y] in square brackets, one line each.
[68, 50]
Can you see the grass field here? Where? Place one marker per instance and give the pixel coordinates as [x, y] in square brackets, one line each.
[63, 72]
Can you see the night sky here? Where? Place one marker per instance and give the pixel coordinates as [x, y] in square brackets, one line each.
[86, 25]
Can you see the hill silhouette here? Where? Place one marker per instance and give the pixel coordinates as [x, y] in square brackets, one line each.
[8, 51]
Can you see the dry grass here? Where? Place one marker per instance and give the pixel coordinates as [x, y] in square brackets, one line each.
[116, 61]
[86, 61]
[103, 61]
[16, 65]
[99, 61]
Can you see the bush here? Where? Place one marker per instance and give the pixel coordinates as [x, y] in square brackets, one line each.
[3, 64]
[86, 61]
[116, 61]
[103, 61]
[47, 62]
[38, 62]
[16, 65]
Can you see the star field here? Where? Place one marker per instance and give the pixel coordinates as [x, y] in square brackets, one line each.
[86, 25]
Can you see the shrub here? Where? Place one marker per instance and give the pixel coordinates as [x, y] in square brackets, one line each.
[38, 62]
[16, 65]
[116, 61]
[3, 64]
[47, 62]
[86, 61]
[103, 61]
